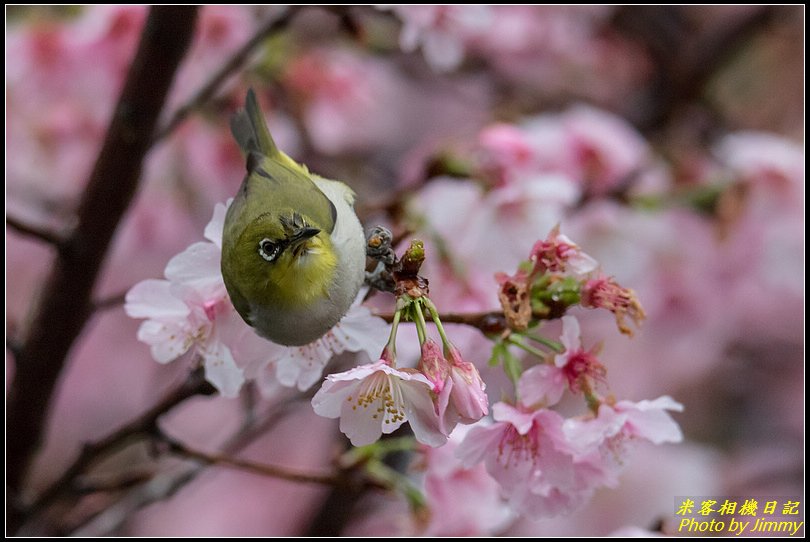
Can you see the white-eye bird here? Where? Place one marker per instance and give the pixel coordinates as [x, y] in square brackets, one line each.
[293, 250]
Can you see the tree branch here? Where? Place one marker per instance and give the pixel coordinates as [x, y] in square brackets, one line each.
[37, 232]
[176, 447]
[146, 423]
[65, 304]
[236, 61]
[685, 59]
[488, 323]
[107, 520]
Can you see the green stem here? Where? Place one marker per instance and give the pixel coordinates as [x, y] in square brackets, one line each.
[513, 339]
[554, 345]
[434, 313]
[397, 481]
[392, 338]
[377, 451]
[421, 325]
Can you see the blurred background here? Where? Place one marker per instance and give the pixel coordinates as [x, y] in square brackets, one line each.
[667, 141]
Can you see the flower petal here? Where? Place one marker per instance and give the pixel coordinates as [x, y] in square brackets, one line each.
[221, 370]
[542, 385]
[152, 299]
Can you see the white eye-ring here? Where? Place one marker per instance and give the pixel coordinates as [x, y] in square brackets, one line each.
[268, 249]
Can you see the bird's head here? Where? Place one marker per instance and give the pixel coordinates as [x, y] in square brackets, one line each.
[282, 259]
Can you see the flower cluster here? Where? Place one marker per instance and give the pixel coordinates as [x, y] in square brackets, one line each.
[441, 392]
[545, 464]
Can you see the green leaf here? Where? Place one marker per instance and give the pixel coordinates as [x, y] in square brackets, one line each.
[497, 354]
[512, 366]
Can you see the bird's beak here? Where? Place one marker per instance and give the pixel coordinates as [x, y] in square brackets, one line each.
[303, 234]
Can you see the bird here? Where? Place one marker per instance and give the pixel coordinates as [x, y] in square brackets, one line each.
[293, 248]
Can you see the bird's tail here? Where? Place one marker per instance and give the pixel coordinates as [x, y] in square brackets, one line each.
[250, 130]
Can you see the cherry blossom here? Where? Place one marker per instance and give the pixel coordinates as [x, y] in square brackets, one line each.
[618, 427]
[442, 31]
[463, 501]
[529, 455]
[557, 253]
[603, 292]
[377, 398]
[460, 395]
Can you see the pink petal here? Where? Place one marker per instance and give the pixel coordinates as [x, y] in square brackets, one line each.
[542, 385]
[503, 412]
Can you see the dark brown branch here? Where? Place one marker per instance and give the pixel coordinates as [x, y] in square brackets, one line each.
[145, 424]
[236, 61]
[65, 304]
[37, 232]
[488, 323]
[112, 516]
[685, 59]
[213, 458]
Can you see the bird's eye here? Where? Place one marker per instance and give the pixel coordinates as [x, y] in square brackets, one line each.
[269, 250]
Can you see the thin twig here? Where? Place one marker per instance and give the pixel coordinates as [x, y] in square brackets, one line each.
[107, 520]
[37, 232]
[143, 424]
[111, 301]
[488, 323]
[215, 458]
[65, 301]
[236, 61]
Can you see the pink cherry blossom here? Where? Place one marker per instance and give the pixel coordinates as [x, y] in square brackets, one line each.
[442, 31]
[377, 398]
[533, 461]
[580, 367]
[606, 149]
[189, 310]
[605, 293]
[541, 386]
[557, 253]
[462, 501]
[618, 426]
[457, 385]
[507, 153]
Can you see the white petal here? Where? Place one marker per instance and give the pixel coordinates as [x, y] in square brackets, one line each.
[152, 299]
[302, 366]
[221, 370]
[167, 340]
[421, 413]
[329, 400]
[198, 267]
[213, 230]
[359, 424]
[360, 330]
[569, 339]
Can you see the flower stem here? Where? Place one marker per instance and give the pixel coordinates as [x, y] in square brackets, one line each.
[434, 313]
[392, 338]
[388, 477]
[419, 320]
[514, 339]
[554, 345]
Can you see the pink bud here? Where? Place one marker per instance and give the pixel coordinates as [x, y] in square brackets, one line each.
[433, 365]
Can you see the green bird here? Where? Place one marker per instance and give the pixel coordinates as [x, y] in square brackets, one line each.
[293, 249]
